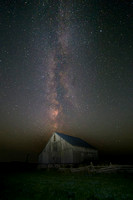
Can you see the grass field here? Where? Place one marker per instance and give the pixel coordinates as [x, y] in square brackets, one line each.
[41, 185]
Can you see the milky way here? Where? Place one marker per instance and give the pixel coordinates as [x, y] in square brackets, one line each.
[59, 82]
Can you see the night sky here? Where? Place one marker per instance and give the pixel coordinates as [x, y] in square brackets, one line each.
[65, 66]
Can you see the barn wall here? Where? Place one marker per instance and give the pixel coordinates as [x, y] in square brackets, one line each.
[56, 151]
[66, 152]
[81, 154]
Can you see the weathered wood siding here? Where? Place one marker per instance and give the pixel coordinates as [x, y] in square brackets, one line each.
[57, 151]
[82, 154]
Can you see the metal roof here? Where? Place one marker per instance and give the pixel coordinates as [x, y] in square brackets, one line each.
[75, 141]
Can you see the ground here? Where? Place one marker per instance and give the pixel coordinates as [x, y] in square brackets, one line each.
[49, 185]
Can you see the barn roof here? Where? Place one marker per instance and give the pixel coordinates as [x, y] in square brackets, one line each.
[75, 141]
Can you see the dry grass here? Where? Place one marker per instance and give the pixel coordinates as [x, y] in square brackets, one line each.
[41, 185]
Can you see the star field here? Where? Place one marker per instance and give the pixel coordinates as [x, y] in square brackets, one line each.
[66, 66]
